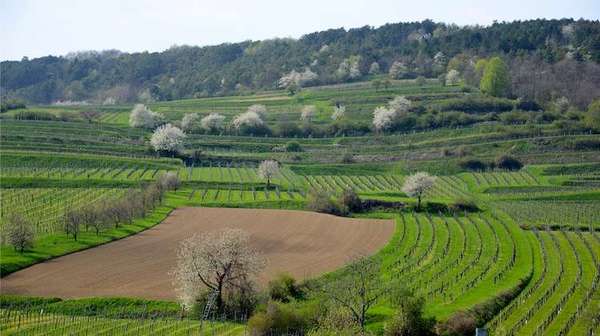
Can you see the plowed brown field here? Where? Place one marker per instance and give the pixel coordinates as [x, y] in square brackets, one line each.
[304, 244]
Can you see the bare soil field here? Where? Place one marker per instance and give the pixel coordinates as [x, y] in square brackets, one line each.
[305, 244]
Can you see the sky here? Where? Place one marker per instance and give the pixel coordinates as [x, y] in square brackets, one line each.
[36, 28]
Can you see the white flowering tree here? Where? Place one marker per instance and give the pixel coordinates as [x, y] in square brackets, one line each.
[267, 170]
[417, 185]
[259, 109]
[251, 120]
[142, 117]
[385, 117]
[213, 122]
[398, 70]
[400, 105]
[215, 261]
[308, 113]
[297, 78]
[167, 138]
[349, 68]
[452, 77]
[189, 121]
[338, 112]
[374, 69]
[439, 62]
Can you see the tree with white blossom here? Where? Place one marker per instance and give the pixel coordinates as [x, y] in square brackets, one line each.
[189, 121]
[338, 112]
[308, 113]
[215, 261]
[167, 138]
[400, 104]
[267, 170]
[259, 109]
[417, 185]
[349, 68]
[398, 70]
[452, 77]
[213, 122]
[141, 116]
[384, 117]
[374, 68]
[296, 78]
[247, 119]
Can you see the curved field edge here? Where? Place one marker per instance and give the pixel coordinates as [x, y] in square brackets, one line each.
[57, 245]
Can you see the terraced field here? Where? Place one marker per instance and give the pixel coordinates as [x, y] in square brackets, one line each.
[535, 236]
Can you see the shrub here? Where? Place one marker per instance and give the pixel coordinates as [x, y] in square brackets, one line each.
[321, 201]
[514, 117]
[12, 104]
[288, 129]
[592, 115]
[336, 322]
[459, 324]
[277, 319]
[370, 204]
[409, 320]
[347, 158]
[284, 288]
[508, 162]
[347, 128]
[528, 105]
[351, 201]
[461, 151]
[293, 146]
[586, 144]
[463, 204]
[472, 164]
[475, 104]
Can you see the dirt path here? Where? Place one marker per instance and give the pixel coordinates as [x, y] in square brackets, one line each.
[302, 243]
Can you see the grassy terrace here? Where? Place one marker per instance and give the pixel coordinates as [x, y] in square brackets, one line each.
[539, 226]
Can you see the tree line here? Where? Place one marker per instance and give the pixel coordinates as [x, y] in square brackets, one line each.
[19, 231]
[401, 50]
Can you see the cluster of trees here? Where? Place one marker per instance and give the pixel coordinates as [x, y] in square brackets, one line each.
[505, 162]
[112, 213]
[415, 186]
[11, 104]
[403, 50]
[217, 270]
[19, 231]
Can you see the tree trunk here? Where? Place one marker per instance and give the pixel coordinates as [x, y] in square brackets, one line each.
[419, 202]
[220, 297]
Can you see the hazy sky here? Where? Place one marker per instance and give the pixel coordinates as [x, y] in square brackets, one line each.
[36, 28]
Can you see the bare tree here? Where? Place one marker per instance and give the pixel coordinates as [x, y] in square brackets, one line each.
[215, 261]
[169, 181]
[358, 289]
[72, 221]
[19, 232]
[417, 184]
[308, 113]
[268, 169]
